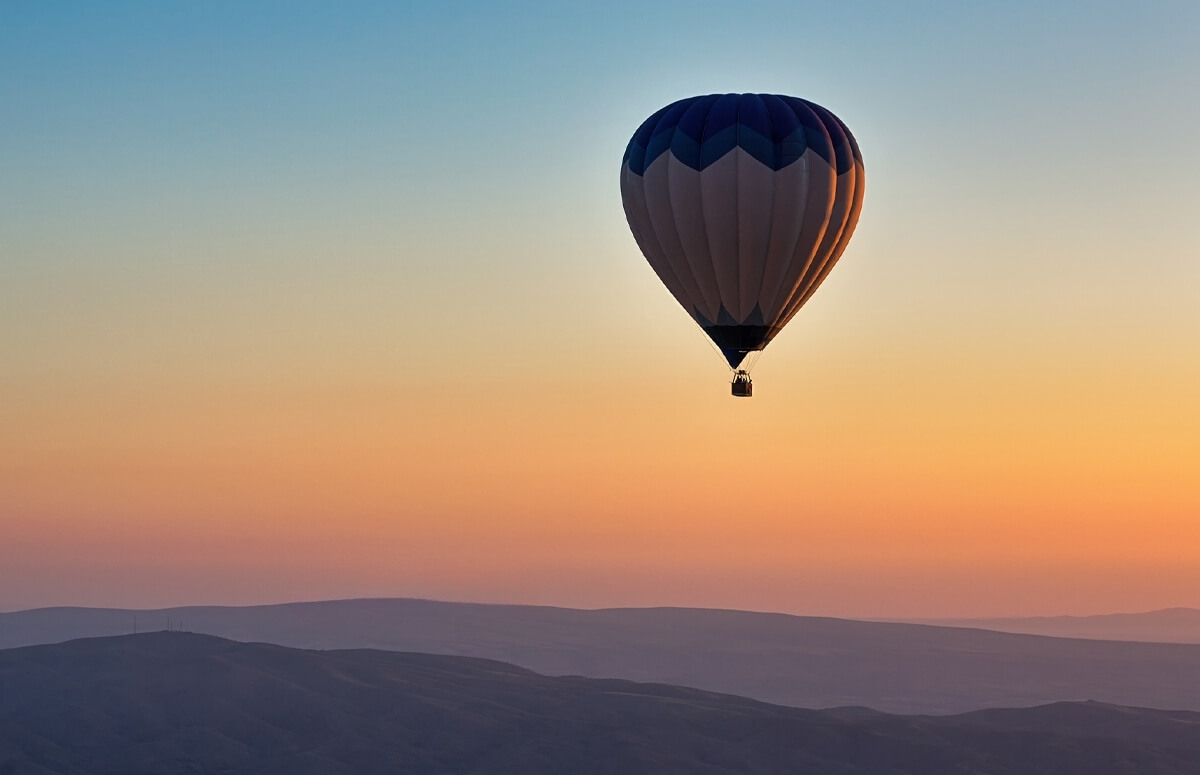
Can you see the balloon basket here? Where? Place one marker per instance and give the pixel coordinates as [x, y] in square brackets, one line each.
[741, 387]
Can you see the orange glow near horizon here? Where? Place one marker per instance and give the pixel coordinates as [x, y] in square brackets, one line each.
[956, 488]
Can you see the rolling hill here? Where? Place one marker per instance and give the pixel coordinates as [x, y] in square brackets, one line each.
[1169, 625]
[789, 660]
[179, 703]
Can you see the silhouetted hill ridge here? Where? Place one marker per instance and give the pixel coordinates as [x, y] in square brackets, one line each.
[792, 660]
[178, 702]
[1166, 625]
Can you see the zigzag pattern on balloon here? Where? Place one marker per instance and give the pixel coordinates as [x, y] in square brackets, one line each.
[773, 129]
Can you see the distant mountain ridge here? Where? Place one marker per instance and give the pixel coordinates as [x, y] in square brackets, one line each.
[1167, 625]
[789, 660]
[170, 702]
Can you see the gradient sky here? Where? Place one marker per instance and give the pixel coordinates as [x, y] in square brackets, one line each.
[313, 300]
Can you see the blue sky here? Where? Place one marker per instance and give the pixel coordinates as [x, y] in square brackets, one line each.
[976, 114]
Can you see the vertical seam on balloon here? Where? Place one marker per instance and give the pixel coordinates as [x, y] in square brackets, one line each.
[674, 284]
[775, 178]
[852, 217]
[703, 219]
[672, 162]
[783, 289]
[655, 227]
[857, 197]
[674, 227]
[818, 273]
[798, 289]
[791, 251]
[737, 198]
[717, 281]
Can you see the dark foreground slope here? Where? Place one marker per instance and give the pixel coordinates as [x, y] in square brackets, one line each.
[175, 703]
[791, 660]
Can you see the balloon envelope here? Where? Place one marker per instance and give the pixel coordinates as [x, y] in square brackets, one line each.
[742, 203]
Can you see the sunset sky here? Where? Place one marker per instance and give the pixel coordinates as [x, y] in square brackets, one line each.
[302, 300]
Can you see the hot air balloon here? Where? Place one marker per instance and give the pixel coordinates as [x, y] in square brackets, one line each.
[742, 204]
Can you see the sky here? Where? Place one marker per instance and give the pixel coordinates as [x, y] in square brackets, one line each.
[306, 300]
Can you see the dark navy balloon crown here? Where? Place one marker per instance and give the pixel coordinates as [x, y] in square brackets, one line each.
[774, 129]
